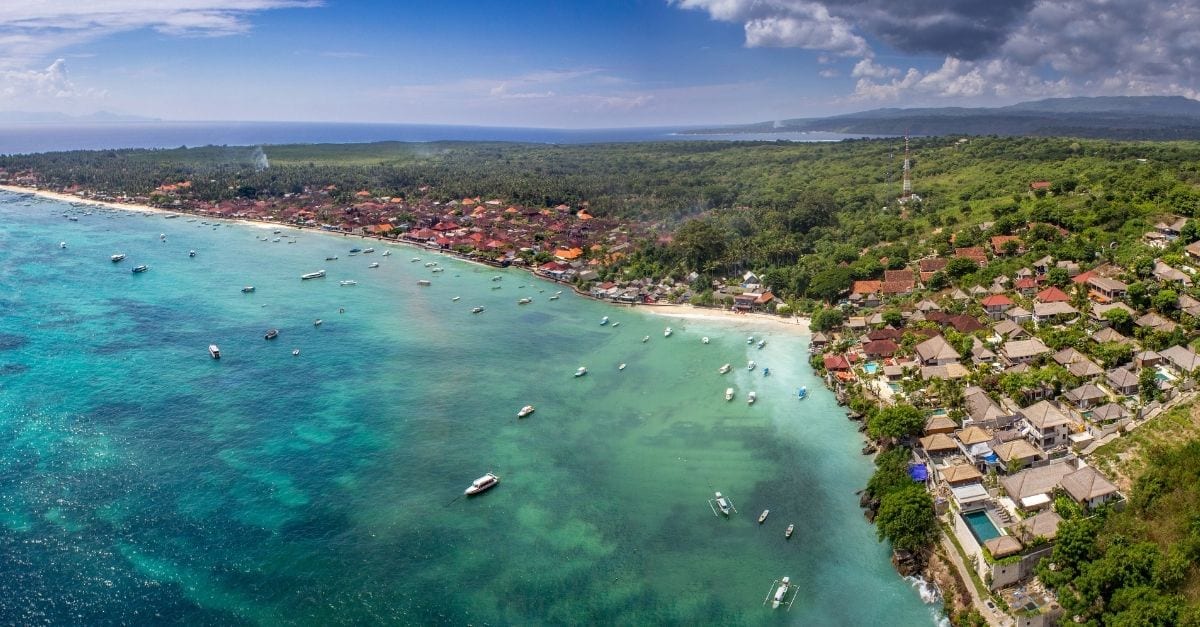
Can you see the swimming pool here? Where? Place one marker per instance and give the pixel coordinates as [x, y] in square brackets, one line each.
[981, 526]
[871, 367]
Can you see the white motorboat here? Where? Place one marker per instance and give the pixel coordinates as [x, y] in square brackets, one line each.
[729, 394]
[604, 321]
[724, 369]
[313, 275]
[317, 322]
[723, 504]
[525, 411]
[667, 332]
[497, 277]
[386, 253]
[750, 398]
[621, 367]
[438, 270]
[763, 516]
[477, 310]
[430, 264]
[455, 299]
[374, 265]
[162, 236]
[582, 371]
[424, 283]
[415, 259]
[247, 289]
[117, 257]
[751, 365]
[704, 340]
[191, 253]
[295, 352]
[347, 283]
[276, 240]
[762, 343]
[271, 334]
[750, 340]
[367, 251]
[790, 529]
[62, 244]
[525, 301]
[214, 351]
[555, 297]
[645, 339]
[482, 484]
[140, 269]
[781, 592]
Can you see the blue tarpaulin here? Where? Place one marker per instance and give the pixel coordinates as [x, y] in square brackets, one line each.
[918, 472]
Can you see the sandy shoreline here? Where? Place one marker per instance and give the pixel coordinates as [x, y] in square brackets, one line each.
[794, 325]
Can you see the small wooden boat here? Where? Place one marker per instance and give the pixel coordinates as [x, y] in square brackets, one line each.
[763, 516]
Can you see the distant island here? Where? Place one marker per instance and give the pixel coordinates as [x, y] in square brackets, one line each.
[1118, 117]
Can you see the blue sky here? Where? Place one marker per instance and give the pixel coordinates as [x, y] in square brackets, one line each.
[604, 63]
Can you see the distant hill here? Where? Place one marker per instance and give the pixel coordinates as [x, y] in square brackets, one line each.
[1120, 117]
[55, 117]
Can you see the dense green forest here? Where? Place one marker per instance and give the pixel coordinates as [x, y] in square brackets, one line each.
[810, 217]
[1137, 566]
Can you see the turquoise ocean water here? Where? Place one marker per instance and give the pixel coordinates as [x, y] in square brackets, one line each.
[142, 482]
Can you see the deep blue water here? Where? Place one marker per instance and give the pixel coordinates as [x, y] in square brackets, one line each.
[26, 138]
[142, 482]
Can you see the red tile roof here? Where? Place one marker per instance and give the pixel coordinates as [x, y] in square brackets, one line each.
[997, 300]
[1052, 295]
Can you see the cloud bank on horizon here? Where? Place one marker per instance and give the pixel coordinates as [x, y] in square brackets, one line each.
[1007, 49]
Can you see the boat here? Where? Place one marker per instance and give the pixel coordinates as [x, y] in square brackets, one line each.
[604, 321]
[333, 258]
[356, 250]
[276, 240]
[415, 259]
[191, 253]
[558, 293]
[477, 310]
[555, 297]
[582, 371]
[788, 534]
[424, 283]
[317, 322]
[802, 393]
[438, 270]
[497, 277]
[374, 264]
[766, 372]
[704, 340]
[781, 592]
[482, 484]
[455, 299]
[214, 351]
[117, 257]
[750, 398]
[763, 516]
[62, 244]
[751, 365]
[723, 504]
[750, 340]
[495, 287]
[140, 269]
[247, 289]
[276, 231]
[313, 275]
[430, 264]
[616, 324]
[347, 283]
[645, 339]
[272, 334]
[724, 369]
[295, 352]
[367, 251]
[162, 236]
[729, 394]
[525, 411]
[386, 253]
[762, 343]
[525, 301]
[667, 332]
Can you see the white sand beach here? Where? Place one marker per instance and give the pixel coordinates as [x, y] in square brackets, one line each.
[796, 325]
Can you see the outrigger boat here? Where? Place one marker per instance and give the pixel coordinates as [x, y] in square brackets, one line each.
[719, 503]
[482, 484]
[525, 411]
[802, 393]
[781, 593]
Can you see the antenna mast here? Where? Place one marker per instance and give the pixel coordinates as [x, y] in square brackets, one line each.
[906, 186]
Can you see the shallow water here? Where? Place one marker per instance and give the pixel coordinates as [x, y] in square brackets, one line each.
[143, 482]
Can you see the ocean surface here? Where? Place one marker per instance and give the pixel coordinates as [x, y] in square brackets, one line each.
[142, 482]
[44, 137]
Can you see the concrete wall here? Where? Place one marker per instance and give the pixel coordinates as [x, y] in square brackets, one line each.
[1008, 574]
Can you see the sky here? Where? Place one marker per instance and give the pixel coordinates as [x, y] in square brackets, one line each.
[581, 64]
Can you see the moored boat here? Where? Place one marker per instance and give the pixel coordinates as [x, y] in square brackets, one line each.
[347, 283]
[367, 251]
[356, 250]
[750, 398]
[295, 352]
[667, 332]
[455, 299]
[117, 257]
[525, 411]
[802, 393]
[581, 371]
[438, 270]
[424, 283]
[374, 265]
[723, 504]
[791, 528]
[333, 258]
[704, 340]
[645, 339]
[140, 269]
[214, 351]
[271, 334]
[386, 253]
[482, 484]
[247, 289]
[621, 367]
[555, 297]
[317, 322]
[750, 365]
[763, 516]
[415, 259]
[604, 321]
[724, 369]
[525, 301]
[750, 340]
[191, 253]
[62, 244]
[766, 372]
[729, 394]
[781, 592]
[477, 310]
[313, 275]
[762, 343]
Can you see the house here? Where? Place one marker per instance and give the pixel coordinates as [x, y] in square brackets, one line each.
[1077, 363]
[836, 363]
[980, 353]
[1052, 295]
[1089, 488]
[959, 474]
[900, 281]
[1023, 351]
[1105, 289]
[1033, 488]
[1054, 312]
[982, 411]
[1122, 381]
[1146, 359]
[1041, 525]
[947, 371]
[1041, 266]
[939, 424]
[880, 349]
[1071, 267]
[1184, 360]
[1048, 426]
[1086, 396]
[973, 435]
[1193, 250]
[1017, 453]
[929, 267]
[1109, 413]
[1099, 309]
[996, 304]
[1167, 274]
[1172, 227]
[1107, 334]
[974, 253]
[1026, 286]
[1008, 330]
[959, 296]
[1003, 546]
[1156, 322]
[936, 351]
[927, 306]
[938, 444]
[1000, 244]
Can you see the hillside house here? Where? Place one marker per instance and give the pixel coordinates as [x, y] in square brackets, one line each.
[936, 351]
[1046, 425]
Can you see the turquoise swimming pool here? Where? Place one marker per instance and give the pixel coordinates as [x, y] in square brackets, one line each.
[871, 367]
[981, 526]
